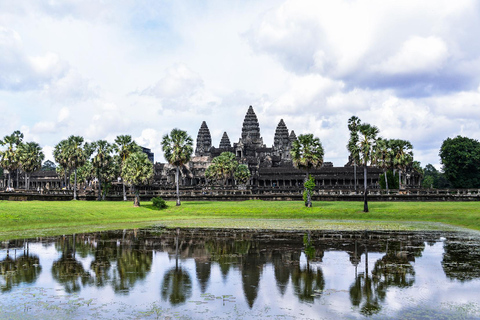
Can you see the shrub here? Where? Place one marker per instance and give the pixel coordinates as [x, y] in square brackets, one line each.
[159, 203]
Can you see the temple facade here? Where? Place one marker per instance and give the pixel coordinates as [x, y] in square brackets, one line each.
[270, 167]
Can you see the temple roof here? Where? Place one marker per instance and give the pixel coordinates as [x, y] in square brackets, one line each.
[293, 136]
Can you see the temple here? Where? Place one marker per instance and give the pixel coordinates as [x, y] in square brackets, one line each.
[270, 167]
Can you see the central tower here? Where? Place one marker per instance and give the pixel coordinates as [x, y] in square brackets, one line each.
[251, 129]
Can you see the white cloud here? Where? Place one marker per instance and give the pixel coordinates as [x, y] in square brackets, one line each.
[417, 55]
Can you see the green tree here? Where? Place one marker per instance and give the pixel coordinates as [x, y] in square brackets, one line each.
[383, 157]
[136, 170]
[76, 158]
[30, 156]
[362, 146]
[9, 157]
[432, 178]
[460, 158]
[48, 166]
[242, 174]
[307, 153]
[222, 167]
[125, 146]
[101, 161]
[178, 149]
[402, 156]
[353, 124]
[60, 154]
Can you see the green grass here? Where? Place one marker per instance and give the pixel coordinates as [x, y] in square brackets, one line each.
[37, 218]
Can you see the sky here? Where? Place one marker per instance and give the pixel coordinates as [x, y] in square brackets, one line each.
[100, 69]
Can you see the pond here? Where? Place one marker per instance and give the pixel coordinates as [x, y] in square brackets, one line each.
[242, 274]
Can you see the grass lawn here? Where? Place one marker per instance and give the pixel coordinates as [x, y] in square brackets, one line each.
[43, 218]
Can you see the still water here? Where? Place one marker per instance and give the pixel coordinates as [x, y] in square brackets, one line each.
[215, 274]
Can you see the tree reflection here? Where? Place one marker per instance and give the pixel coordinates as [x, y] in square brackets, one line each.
[461, 259]
[176, 284]
[364, 292]
[24, 269]
[251, 270]
[67, 270]
[308, 283]
[133, 264]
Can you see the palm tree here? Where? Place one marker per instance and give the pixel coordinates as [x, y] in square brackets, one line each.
[402, 156]
[222, 167]
[382, 155]
[76, 158]
[362, 146]
[9, 158]
[125, 146]
[242, 174]
[102, 160]
[353, 124]
[136, 170]
[178, 149]
[307, 153]
[30, 156]
[61, 157]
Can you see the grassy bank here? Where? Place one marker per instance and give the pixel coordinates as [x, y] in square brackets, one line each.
[35, 218]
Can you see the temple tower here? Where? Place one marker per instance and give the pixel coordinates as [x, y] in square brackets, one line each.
[225, 142]
[281, 139]
[251, 129]
[204, 141]
[292, 137]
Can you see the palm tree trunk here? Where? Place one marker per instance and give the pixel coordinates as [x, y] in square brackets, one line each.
[309, 196]
[136, 199]
[99, 188]
[75, 185]
[365, 202]
[124, 192]
[9, 179]
[355, 176]
[399, 179]
[176, 180]
[27, 182]
[386, 181]
[18, 187]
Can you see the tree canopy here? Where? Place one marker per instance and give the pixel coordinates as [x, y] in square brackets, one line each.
[460, 158]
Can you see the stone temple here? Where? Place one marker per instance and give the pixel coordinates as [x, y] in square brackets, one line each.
[270, 167]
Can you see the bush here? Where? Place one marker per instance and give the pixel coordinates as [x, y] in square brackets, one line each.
[159, 203]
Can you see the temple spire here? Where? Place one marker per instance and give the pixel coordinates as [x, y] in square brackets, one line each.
[225, 142]
[251, 128]
[204, 140]
[281, 138]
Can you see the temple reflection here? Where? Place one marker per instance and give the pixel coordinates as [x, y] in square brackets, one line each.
[123, 260]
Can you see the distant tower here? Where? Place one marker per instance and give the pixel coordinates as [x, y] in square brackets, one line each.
[204, 141]
[281, 141]
[251, 129]
[225, 142]
[292, 137]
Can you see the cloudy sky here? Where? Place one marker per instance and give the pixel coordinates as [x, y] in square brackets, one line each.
[104, 68]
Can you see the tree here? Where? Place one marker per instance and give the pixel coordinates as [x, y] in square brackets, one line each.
[125, 146]
[460, 158]
[242, 174]
[61, 157]
[9, 157]
[432, 178]
[48, 166]
[76, 157]
[30, 157]
[383, 159]
[101, 161]
[402, 156]
[136, 170]
[178, 149]
[222, 167]
[362, 146]
[353, 124]
[307, 153]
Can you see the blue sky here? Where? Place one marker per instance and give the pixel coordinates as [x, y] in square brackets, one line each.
[100, 69]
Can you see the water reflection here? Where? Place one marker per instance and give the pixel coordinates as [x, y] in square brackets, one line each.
[24, 268]
[186, 265]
